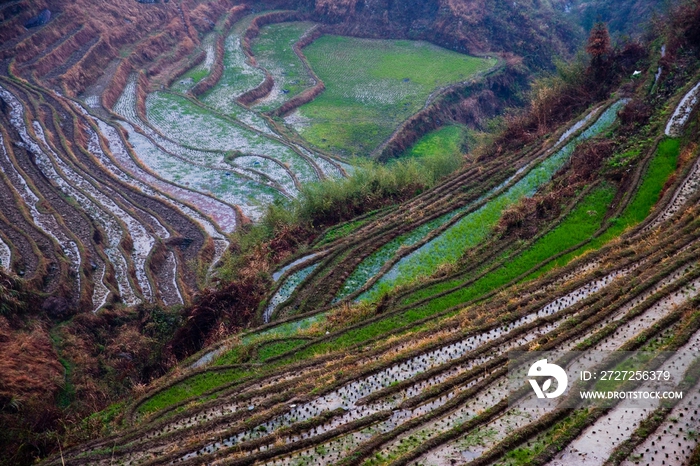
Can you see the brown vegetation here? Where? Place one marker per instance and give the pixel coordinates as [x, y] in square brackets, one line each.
[32, 378]
[297, 101]
[177, 68]
[233, 305]
[62, 53]
[525, 219]
[259, 92]
[106, 355]
[117, 84]
[598, 42]
[683, 29]
[522, 220]
[218, 69]
[215, 73]
[554, 101]
[141, 94]
[29, 364]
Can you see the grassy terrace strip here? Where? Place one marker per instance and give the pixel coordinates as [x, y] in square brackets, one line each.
[344, 339]
[662, 165]
[445, 284]
[474, 228]
[341, 231]
[364, 242]
[580, 224]
[376, 84]
[448, 139]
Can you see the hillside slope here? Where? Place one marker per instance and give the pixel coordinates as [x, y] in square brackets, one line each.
[387, 340]
[139, 142]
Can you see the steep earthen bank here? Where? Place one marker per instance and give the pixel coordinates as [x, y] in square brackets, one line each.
[470, 103]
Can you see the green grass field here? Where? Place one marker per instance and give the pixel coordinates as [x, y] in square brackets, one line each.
[445, 140]
[374, 85]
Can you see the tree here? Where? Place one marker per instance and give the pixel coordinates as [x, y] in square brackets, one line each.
[598, 43]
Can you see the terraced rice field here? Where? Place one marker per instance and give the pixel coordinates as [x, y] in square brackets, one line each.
[165, 172]
[199, 72]
[419, 373]
[126, 222]
[374, 85]
[467, 231]
[426, 400]
[238, 77]
[389, 339]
